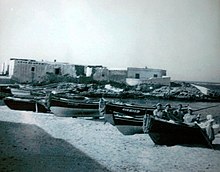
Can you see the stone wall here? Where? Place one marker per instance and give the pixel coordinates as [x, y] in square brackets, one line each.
[118, 75]
[101, 74]
[157, 81]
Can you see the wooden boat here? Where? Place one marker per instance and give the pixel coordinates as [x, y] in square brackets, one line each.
[5, 91]
[74, 107]
[128, 109]
[127, 118]
[163, 132]
[26, 104]
[20, 92]
[127, 125]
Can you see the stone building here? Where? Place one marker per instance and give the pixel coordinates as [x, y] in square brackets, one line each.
[146, 75]
[103, 74]
[28, 71]
[143, 73]
[131, 76]
[100, 73]
[118, 75]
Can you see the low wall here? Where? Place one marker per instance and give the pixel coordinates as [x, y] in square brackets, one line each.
[158, 81]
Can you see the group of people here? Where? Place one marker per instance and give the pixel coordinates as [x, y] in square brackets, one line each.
[189, 118]
[176, 115]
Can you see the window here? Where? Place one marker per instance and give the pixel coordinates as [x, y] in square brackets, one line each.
[155, 75]
[32, 69]
[57, 71]
[137, 76]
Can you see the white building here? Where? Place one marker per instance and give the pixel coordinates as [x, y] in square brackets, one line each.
[136, 76]
[27, 71]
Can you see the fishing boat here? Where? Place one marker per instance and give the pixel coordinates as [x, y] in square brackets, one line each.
[128, 109]
[76, 107]
[20, 92]
[164, 132]
[127, 125]
[126, 117]
[26, 104]
[5, 91]
[129, 118]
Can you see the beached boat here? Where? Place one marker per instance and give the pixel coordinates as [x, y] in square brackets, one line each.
[126, 117]
[5, 91]
[20, 92]
[127, 125]
[128, 109]
[74, 107]
[164, 132]
[129, 118]
[26, 104]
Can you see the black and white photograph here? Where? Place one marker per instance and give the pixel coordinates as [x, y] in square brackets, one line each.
[110, 85]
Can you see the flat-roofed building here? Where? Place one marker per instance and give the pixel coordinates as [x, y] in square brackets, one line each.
[146, 75]
[27, 70]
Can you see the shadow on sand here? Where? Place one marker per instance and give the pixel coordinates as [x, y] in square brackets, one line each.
[25, 147]
[216, 147]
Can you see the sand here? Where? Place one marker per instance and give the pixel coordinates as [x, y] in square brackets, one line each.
[43, 142]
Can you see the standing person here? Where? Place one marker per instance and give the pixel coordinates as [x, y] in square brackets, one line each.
[102, 106]
[158, 111]
[178, 114]
[48, 99]
[208, 127]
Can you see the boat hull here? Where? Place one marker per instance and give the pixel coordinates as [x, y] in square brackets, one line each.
[74, 112]
[168, 133]
[5, 91]
[25, 105]
[127, 118]
[68, 108]
[129, 129]
[20, 92]
[126, 125]
[131, 110]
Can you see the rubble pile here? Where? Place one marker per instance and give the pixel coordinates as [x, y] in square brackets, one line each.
[189, 92]
[183, 91]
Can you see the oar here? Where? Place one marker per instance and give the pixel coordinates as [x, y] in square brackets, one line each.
[205, 108]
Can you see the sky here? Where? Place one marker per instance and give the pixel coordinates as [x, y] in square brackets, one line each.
[181, 36]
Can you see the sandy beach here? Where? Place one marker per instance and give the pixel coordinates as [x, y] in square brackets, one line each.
[43, 142]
